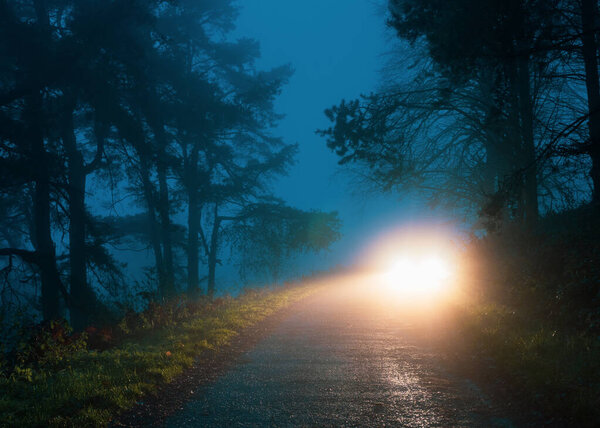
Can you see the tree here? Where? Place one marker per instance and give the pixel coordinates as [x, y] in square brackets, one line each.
[143, 97]
[235, 187]
[224, 109]
[268, 234]
[509, 38]
[476, 119]
[23, 101]
[589, 50]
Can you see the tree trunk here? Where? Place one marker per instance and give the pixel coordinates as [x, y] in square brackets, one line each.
[589, 15]
[192, 249]
[513, 151]
[530, 185]
[154, 227]
[45, 247]
[83, 298]
[162, 205]
[41, 200]
[212, 253]
[167, 285]
[165, 226]
[194, 214]
[42, 236]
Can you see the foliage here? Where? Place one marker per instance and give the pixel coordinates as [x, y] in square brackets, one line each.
[553, 272]
[269, 234]
[47, 345]
[492, 125]
[150, 99]
[555, 372]
[57, 381]
[536, 321]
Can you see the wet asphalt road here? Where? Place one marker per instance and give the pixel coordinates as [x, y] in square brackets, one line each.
[341, 358]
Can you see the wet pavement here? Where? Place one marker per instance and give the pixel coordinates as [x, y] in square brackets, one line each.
[341, 358]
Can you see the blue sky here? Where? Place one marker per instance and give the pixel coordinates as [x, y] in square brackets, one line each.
[336, 49]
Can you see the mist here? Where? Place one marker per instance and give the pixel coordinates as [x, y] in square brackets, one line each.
[165, 163]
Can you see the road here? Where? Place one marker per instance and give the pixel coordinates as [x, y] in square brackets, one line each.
[341, 358]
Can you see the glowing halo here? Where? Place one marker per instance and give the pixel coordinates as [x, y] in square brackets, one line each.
[422, 276]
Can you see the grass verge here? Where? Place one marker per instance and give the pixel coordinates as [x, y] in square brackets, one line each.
[556, 373]
[89, 387]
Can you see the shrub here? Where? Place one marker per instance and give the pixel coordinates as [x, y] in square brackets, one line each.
[48, 344]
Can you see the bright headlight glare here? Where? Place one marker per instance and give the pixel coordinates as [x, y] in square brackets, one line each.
[417, 275]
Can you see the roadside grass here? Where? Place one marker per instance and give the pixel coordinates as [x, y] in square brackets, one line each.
[87, 387]
[527, 321]
[556, 372]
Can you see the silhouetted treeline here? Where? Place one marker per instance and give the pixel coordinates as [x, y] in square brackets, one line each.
[146, 100]
[493, 105]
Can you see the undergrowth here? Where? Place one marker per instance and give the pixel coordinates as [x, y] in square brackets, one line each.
[555, 373]
[536, 320]
[59, 379]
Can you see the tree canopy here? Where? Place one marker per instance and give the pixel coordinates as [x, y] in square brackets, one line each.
[150, 102]
[490, 116]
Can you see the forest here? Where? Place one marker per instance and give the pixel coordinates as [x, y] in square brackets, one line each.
[140, 152]
[137, 125]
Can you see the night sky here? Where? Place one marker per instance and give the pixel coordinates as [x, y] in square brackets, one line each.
[338, 52]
